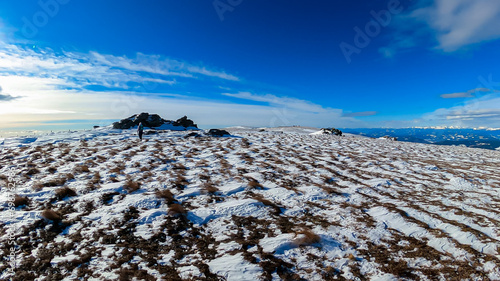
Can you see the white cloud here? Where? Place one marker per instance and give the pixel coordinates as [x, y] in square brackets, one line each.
[5, 96]
[80, 70]
[478, 112]
[360, 114]
[279, 101]
[468, 94]
[451, 24]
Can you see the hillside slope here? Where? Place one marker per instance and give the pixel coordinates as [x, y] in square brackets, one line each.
[102, 205]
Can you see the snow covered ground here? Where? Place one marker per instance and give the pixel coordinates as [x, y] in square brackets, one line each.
[278, 204]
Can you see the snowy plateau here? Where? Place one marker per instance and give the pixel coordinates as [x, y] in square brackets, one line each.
[261, 204]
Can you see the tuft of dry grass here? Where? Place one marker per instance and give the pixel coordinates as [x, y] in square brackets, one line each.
[81, 169]
[261, 199]
[245, 143]
[59, 181]
[64, 192]
[32, 171]
[51, 215]
[96, 178]
[37, 186]
[181, 182]
[20, 201]
[254, 184]
[165, 194]
[118, 169]
[148, 176]
[308, 237]
[202, 163]
[176, 210]
[131, 185]
[209, 188]
[52, 169]
[4, 178]
[179, 166]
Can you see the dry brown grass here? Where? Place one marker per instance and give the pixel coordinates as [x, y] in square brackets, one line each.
[254, 184]
[202, 163]
[165, 194]
[101, 159]
[64, 192]
[131, 186]
[204, 177]
[81, 169]
[308, 237]
[179, 166]
[209, 188]
[96, 178]
[32, 171]
[20, 201]
[225, 164]
[52, 169]
[176, 210]
[147, 176]
[245, 143]
[37, 186]
[261, 199]
[59, 181]
[118, 169]
[51, 215]
[181, 182]
[4, 178]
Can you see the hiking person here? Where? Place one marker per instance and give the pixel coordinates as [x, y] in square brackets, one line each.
[140, 130]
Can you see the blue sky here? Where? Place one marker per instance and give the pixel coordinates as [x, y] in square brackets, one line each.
[73, 64]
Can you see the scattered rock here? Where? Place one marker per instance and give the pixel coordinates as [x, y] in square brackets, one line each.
[185, 122]
[151, 132]
[331, 131]
[388, 138]
[193, 134]
[218, 133]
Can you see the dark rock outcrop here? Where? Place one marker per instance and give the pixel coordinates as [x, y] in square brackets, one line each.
[218, 133]
[331, 131]
[153, 121]
[193, 134]
[185, 122]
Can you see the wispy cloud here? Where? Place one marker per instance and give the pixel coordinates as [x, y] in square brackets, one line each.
[478, 112]
[468, 94]
[446, 25]
[288, 102]
[5, 96]
[467, 115]
[360, 114]
[80, 69]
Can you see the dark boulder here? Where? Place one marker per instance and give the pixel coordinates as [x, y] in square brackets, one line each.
[331, 131]
[193, 134]
[185, 122]
[218, 133]
[152, 121]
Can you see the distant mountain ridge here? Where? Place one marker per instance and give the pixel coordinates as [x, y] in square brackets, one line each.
[470, 137]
